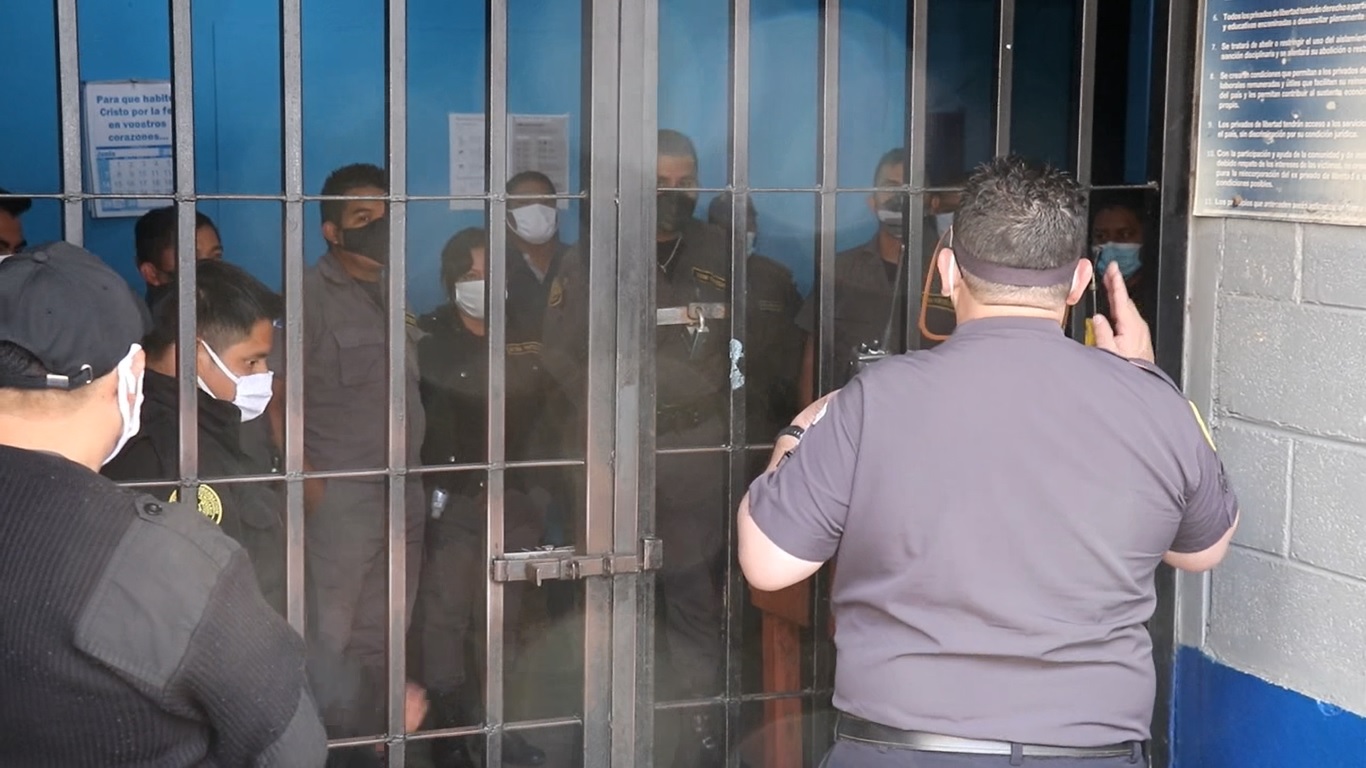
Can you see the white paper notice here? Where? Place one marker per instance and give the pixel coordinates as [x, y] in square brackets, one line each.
[129, 144]
[537, 143]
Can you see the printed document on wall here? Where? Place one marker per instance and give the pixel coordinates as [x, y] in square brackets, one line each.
[536, 143]
[129, 144]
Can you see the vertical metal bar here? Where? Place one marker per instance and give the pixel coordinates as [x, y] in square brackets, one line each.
[829, 182]
[637, 132]
[1175, 58]
[917, 121]
[182, 106]
[1086, 97]
[1005, 74]
[609, 691]
[497, 126]
[819, 724]
[291, 72]
[739, 284]
[69, 100]
[396, 86]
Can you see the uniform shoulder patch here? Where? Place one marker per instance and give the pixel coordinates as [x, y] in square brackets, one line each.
[410, 319]
[556, 295]
[524, 348]
[137, 620]
[707, 277]
[1204, 429]
[209, 503]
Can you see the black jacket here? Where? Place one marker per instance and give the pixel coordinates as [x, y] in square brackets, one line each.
[134, 635]
[454, 366]
[251, 513]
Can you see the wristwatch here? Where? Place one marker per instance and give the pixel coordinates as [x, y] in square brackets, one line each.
[791, 430]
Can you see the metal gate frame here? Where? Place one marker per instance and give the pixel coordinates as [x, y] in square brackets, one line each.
[620, 115]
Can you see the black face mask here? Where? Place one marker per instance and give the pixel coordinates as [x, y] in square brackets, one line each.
[674, 210]
[155, 293]
[370, 240]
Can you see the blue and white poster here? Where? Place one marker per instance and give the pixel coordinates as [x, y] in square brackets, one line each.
[1282, 121]
[129, 145]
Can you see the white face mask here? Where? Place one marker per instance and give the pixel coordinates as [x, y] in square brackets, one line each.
[942, 222]
[130, 413]
[4, 256]
[535, 224]
[469, 297]
[253, 390]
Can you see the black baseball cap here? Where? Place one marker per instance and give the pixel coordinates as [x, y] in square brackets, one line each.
[67, 308]
[14, 206]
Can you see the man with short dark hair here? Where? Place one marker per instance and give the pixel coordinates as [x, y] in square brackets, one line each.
[11, 228]
[346, 428]
[992, 587]
[134, 632]
[155, 238]
[870, 286]
[1117, 236]
[234, 320]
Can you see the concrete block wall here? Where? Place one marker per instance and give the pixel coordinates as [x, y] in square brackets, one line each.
[1285, 379]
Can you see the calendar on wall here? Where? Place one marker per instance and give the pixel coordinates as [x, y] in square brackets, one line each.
[129, 145]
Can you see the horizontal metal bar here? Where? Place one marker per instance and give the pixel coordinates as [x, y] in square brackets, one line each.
[1150, 185]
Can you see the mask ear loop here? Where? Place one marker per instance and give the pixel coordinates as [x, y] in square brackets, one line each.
[925, 292]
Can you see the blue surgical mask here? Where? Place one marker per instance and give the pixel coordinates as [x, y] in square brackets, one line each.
[1126, 255]
[942, 222]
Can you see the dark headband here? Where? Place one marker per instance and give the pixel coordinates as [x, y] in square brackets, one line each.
[1003, 274]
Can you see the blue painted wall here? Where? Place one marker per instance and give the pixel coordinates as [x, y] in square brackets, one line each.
[237, 102]
[1223, 718]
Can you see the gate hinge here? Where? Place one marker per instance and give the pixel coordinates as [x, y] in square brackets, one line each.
[547, 563]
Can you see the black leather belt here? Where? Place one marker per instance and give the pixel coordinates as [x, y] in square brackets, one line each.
[857, 729]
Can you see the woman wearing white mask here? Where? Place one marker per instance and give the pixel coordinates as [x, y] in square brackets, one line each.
[453, 359]
[234, 319]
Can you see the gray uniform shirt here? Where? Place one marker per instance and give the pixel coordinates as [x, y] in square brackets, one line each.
[999, 505]
[346, 373]
[864, 287]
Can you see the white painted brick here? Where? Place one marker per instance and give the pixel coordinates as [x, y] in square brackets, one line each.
[1259, 258]
[1333, 258]
[1328, 508]
[1291, 626]
[1294, 365]
[1257, 462]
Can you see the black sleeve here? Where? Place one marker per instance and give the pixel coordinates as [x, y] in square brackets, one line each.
[140, 460]
[245, 670]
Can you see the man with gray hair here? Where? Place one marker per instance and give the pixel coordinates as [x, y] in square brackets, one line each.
[992, 586]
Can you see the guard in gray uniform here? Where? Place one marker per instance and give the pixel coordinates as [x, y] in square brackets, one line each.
[134, 633]
[693, 385]
[867, 298]
[993, 583]
[346, 427]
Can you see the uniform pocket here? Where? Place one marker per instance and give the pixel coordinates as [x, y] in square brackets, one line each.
[362, 356]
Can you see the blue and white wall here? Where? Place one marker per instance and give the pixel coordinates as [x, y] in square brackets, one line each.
[1272, 668]
[237, 96]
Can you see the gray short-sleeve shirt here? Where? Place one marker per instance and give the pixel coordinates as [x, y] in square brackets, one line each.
[999, 505]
